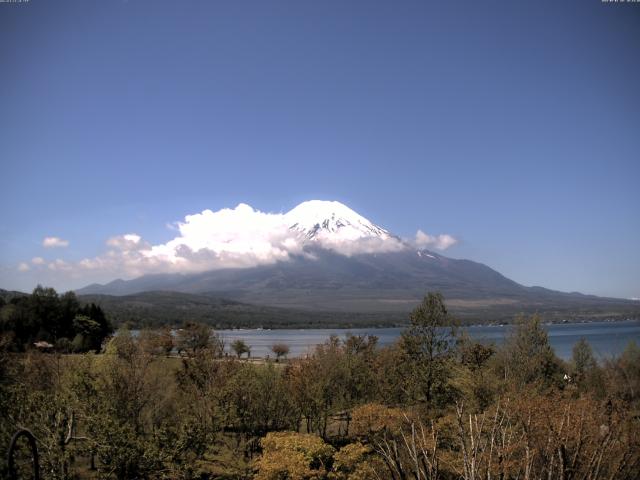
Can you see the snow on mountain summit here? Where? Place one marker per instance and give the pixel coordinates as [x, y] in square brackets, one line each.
[329, 220]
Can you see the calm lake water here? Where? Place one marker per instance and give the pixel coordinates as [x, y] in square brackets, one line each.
[606, 338]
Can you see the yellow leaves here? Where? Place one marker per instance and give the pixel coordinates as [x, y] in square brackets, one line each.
[349, 456]
[373, 418]
[296, 456]
[281, 465]
[293, 456]
[355, 461]
[309, 444]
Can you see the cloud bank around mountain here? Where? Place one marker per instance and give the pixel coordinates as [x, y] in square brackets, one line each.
[228, 238]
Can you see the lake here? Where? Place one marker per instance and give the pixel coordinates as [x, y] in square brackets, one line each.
[606, 338]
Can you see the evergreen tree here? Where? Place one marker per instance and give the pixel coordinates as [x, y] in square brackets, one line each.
[582, 359]
[46, 313]
[428, 347]
[529, 356]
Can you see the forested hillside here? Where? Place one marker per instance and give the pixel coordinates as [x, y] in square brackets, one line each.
[149, 309]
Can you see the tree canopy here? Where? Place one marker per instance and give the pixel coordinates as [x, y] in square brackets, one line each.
[59, 320]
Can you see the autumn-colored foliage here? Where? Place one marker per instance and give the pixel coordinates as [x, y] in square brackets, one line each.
[294, 456]
[372, 418]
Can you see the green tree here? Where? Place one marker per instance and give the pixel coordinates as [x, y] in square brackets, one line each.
[582, 359]
[473, 378]
[428, 348]
[528, 356]
[240, 348]
[88, 334]
[39, 400]
[257, 401]
[45, 315]
[623, 374]
[193, 337]
[96, 313]
[45, 310]
[69, 308]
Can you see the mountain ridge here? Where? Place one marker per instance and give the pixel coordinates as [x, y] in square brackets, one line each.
[349, 264]
[388, 282]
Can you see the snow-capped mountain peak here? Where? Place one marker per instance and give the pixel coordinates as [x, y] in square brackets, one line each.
[330, 220]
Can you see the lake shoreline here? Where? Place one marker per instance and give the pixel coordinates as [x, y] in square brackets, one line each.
[406, 325]
[606, 337]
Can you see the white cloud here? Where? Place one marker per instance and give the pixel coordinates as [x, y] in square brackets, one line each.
[23, 267]
[126, 242]
[439, 242]
[363, 245]
[241, 230]
[238, 237]
[230, 238]
[59, 264]
[54, 242]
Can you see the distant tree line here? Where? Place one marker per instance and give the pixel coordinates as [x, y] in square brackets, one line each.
[48, 320]
[157, 309]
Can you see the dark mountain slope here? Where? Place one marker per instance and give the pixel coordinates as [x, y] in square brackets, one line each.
[174, 308]
[390, 283]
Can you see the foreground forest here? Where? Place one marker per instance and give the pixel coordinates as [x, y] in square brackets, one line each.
[435, 405]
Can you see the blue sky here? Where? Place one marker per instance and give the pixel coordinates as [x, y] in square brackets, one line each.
[512, 126]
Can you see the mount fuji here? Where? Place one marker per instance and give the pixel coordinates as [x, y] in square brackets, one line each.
[350, 265]
[332, 222]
